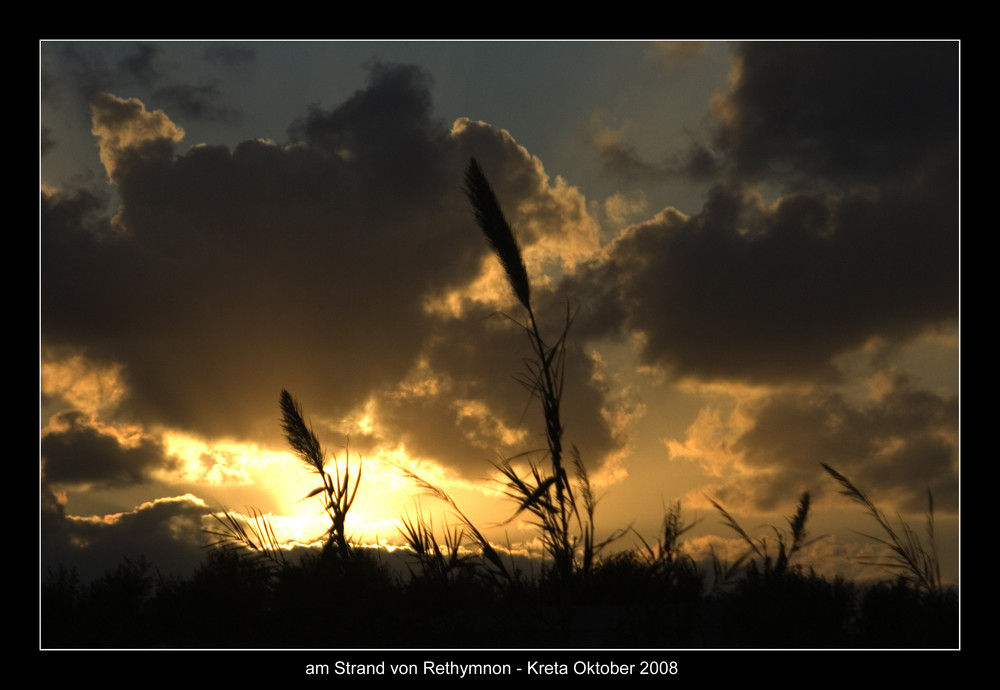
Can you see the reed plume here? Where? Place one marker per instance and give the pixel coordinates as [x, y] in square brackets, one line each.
[299, 436]
[338, 489]
[544, 379]
[501, 237]
[915, 563]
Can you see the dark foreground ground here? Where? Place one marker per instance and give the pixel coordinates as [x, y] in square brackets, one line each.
[236, 602]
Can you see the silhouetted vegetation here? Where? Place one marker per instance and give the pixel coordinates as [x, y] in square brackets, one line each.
[461, 591]
[917, 564]
[547, 495]
[320, 601]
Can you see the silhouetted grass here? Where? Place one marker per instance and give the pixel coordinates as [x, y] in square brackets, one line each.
[337, 491]
[567, 534]
[438, 560]
[788, 544]
[420, 537]
[913, 561]
[254, 533]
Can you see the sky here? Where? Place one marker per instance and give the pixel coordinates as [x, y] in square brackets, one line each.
[759, 242]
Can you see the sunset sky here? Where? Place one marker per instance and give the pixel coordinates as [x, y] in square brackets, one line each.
[760, 240]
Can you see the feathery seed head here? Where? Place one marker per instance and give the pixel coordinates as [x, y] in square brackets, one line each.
[494, 225]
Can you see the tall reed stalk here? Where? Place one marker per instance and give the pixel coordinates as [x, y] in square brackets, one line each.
[547, 494]
[337, 491]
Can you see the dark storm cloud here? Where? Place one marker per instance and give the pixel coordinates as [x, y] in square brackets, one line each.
[864, 244]
[251, 270]
[897, 445]
[232, 274]
[386, 134]
[74, 452]
[849, 112]
[775, 293]
[167, 531]
[82, 210]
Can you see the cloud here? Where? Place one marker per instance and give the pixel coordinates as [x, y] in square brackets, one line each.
[775, 293]
[166, 530]
[232, 274]
[619, 207]
[852, 247]
[470, 409]
[71, 380]
[896, 444]
[88, 73]
[75, 451]
[126, 131]
[848, 112]
[282, 258]
[622, 158]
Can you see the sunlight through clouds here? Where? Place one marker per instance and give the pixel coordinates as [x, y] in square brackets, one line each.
[218, 463]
